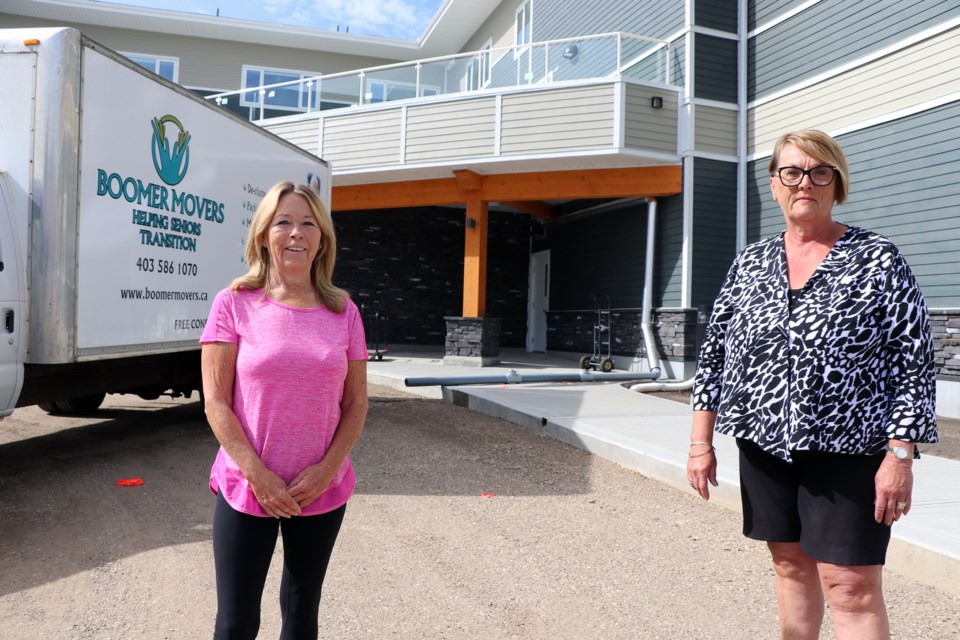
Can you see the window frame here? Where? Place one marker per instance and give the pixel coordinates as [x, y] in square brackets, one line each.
[132, 55]
[479, 69]
[523, 27]
[301, 106]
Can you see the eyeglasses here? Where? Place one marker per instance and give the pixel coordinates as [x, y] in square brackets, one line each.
[820, 176]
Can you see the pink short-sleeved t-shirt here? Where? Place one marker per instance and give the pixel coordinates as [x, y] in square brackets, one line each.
[291, 367]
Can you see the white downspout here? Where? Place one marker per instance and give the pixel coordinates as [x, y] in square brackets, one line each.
[653, 357]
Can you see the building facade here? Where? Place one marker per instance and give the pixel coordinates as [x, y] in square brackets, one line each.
[535, 160]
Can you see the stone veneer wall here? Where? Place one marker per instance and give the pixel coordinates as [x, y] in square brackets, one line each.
[675, 331]
[945, 326]
[408, 263]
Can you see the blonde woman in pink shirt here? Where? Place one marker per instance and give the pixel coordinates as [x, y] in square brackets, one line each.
[284, 375]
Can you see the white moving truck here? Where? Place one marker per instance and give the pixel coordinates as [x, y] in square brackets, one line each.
[124, 207]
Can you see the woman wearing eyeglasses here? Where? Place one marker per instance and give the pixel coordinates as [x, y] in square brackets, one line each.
[819, 360]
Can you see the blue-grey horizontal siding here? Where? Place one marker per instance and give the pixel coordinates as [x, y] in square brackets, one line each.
[759, 12]
[668, 279]
[714, 227]
[833, 32]
[716, 14]
[715, 68]
[903, 185]
[570, 18]
[598, 254]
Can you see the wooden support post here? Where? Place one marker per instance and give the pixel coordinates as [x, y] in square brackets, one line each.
[475, 257]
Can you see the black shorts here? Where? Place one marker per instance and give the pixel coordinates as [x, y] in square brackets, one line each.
[824, 501]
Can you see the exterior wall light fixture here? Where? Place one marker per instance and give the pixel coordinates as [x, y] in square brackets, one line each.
[471, 223]
[656, 102]
[571, 51]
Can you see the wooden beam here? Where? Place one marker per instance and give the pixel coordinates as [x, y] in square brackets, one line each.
[594, 183]
[393, 195]
[468, 180]
[475, 258]
[540, 210]
[513, 187]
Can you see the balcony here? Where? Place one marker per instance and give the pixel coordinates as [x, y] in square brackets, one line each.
[602, 101]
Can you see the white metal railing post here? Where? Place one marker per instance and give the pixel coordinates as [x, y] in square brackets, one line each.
[523, 72]
[619, 52]
[669, 62]
[546, 63]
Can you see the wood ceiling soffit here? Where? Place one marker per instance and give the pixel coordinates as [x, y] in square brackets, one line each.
[513, 188]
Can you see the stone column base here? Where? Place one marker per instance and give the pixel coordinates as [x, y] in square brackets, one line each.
[472, 342]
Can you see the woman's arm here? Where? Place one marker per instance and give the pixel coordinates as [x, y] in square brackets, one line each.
[218, 361]
[702, 459]
[312, 481]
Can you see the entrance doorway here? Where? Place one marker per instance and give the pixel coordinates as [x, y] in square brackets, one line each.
[538, 301]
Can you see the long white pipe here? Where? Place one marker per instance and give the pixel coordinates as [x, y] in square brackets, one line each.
[653, 357]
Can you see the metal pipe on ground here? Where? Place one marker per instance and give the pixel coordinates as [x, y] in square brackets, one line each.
[515, 377]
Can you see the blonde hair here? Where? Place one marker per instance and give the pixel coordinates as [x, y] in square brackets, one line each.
[258, 256]
[820, 146]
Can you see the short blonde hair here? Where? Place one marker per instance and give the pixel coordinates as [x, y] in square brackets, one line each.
[258, 257]
[822, 147]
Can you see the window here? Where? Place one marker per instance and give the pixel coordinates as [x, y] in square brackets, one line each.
[293, 97]
[524, 24]
[478, 69]
[385, 91]
[168, 68]
[485, 54]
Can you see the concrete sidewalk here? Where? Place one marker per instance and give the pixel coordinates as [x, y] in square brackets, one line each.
[651, 435]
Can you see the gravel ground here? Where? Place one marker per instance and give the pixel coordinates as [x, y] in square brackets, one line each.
[463, 527]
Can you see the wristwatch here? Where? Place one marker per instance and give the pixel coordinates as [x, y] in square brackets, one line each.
[899, 453]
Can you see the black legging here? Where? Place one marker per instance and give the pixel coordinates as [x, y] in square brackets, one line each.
[242, 548]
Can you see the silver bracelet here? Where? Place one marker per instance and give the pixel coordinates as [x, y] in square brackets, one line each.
[712, 449]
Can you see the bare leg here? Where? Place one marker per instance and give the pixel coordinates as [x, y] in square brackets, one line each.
[799, 595]
[855, 594]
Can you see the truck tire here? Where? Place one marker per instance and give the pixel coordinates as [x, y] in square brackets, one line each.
[50, 407]
[82, 406]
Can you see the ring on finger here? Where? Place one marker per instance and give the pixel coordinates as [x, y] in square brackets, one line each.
[901, 505]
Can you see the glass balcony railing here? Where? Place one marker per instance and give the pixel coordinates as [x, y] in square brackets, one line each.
[588, 57]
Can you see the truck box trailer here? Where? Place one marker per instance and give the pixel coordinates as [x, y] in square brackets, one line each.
[124, 207]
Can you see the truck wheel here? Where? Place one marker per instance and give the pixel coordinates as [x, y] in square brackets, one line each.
[585, 362]
[607, 365]
[50, 407]
[82, 406]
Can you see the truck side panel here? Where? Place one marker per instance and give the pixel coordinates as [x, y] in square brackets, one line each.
[17, 69]
[125, 204]
[168, 186]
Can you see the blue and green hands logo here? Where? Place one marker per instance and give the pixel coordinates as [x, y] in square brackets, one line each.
[171, 164]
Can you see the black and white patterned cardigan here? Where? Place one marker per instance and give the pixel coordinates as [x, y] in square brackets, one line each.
[849, 369]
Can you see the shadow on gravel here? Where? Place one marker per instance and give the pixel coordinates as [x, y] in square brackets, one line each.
[415, 447]
[61, 513]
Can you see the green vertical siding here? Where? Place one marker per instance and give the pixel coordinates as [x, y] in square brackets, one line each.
[668, 279]
[716, 14]
[714, 227]
[715, 68]
[602, 253]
